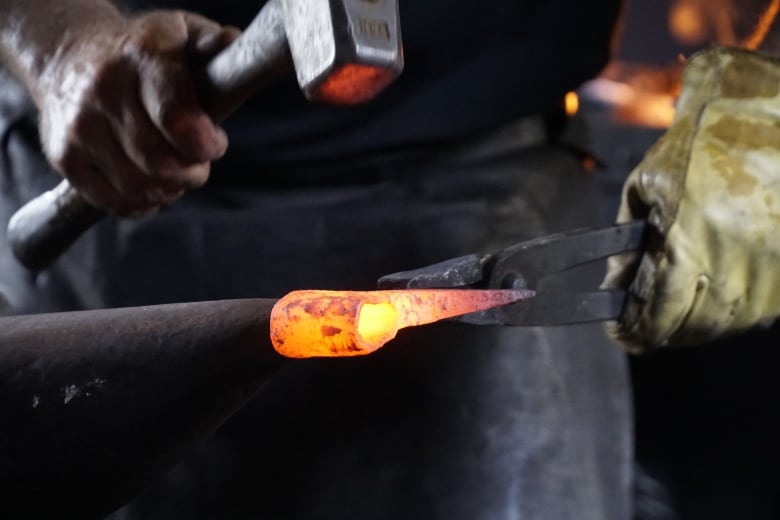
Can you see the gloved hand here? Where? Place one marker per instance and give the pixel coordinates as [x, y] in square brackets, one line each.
[710, 190]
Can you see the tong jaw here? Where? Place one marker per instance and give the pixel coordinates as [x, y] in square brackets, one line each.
[461, 272]
[522, 265]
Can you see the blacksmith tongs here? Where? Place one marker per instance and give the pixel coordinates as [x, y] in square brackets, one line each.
[522, 266]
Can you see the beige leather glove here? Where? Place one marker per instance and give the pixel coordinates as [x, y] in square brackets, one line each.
[710, 190]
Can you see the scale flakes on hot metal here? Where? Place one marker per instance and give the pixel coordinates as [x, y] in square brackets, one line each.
[314, 323]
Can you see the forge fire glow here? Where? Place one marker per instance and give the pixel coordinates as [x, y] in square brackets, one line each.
[348, 323]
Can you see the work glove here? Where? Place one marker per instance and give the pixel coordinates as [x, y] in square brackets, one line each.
[710, 191]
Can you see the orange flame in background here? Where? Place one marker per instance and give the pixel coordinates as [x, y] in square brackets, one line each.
[694, 22]
[351, 323]
[637, 94]
[645, 95]
[571, 103]
[700, 22]
[687, 23]
[764, 24]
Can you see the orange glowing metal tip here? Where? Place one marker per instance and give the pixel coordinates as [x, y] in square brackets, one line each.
[349, 323]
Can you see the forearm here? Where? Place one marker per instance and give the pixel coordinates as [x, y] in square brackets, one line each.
[34, 33]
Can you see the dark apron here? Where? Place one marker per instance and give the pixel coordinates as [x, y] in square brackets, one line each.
[447, 421]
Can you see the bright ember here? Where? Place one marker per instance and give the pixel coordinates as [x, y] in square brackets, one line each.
[348, 323]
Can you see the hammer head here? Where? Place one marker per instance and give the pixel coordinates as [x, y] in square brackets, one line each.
[345, 51]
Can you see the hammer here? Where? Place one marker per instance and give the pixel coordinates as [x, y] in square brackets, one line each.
[344, 52]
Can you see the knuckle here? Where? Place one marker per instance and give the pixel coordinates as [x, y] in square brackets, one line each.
[140, 43]
[135, 43]
[153, 33]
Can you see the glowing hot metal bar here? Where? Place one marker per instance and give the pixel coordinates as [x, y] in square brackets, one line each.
[348, 323]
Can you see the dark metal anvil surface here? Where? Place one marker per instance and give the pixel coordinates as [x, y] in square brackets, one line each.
[97, 403]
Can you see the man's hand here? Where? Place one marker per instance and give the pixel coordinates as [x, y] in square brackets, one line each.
[710, 189]
[120, 117]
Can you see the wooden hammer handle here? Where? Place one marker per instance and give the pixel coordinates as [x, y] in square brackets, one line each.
[41, 230]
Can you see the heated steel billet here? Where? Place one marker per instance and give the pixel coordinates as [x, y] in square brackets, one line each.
[95, 404]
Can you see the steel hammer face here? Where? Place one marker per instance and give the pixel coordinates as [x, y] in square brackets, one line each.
[345, 51]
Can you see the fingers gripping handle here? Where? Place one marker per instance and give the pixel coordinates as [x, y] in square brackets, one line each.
[48, 225]
[258, 56]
